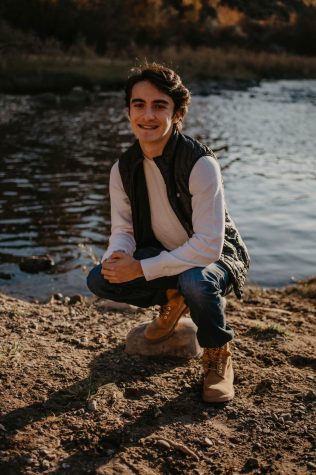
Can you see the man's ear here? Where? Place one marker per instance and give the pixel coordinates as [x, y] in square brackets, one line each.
[176, 117]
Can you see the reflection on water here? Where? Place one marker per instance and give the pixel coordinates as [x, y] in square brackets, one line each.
[54, 180]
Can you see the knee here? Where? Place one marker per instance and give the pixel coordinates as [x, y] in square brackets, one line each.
[194, 286]
[95, 279]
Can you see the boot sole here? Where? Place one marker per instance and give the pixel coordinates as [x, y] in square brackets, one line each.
[229, 397]
[165, 337]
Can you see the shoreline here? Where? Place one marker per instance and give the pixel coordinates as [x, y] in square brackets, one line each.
[306, 287]
[32, 74]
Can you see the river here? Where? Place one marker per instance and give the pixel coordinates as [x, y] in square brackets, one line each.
[54, 168]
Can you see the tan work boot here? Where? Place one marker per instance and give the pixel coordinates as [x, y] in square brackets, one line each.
[218, 374]
[164, 325]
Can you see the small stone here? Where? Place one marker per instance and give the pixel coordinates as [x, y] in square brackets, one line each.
[208, 441]
[311, 465]
[287, 416]
[45, 464]
[2, 427]
[65, 465]
[251, 464]
[109, 452]
[157, 412]
[92, 405]
[75, 299]
[58, 296]
[66, 300]
[163, 443]
[34, 264]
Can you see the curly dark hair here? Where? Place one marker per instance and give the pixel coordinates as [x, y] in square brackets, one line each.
[164, 79]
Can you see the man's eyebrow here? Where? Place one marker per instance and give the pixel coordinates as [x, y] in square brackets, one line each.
[157, 101]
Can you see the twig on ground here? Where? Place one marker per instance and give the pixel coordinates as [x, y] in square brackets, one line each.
[183, 448]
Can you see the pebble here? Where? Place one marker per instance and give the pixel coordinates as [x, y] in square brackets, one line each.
[109, 452]
[311, 465]
[65, 465]
[92, 405]
[163, 443]
[75, 299]
[251, 464]
[287, 416]
[2, 427]
[157, 412]
[208, 441]
[58, 296]
[45, 464]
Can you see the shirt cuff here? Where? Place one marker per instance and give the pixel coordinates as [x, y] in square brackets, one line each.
[155, 267]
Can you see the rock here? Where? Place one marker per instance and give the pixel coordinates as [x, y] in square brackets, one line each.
[208, 441]
[77, 96]
[46, 98]
[75, 299]
[114, 467]
[182, 343]
[311, 465]
[58, 296]
[92, 405]
[250, 465]
[163, 443]
[34, 264]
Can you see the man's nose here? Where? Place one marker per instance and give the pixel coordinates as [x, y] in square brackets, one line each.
[149, 113]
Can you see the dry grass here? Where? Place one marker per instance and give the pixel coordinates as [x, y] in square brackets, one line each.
[205, 63]
[305, 288]
[39, 73]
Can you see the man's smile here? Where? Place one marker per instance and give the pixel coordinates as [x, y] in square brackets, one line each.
[148, 127]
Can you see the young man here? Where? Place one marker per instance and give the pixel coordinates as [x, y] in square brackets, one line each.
[172, 241]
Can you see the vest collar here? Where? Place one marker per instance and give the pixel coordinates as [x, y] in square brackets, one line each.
[167, 154]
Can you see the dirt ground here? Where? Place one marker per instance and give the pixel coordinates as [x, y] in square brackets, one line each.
[72, 402]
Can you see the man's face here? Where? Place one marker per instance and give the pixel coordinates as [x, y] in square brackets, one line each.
[151, 115]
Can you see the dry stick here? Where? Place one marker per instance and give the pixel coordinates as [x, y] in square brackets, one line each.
[183, 448]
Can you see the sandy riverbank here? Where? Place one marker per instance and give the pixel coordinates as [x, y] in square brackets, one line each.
[72, 402]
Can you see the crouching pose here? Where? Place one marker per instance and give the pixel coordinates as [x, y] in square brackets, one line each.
[172, 241]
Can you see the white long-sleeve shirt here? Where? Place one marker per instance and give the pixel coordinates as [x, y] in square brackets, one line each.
[208, 219]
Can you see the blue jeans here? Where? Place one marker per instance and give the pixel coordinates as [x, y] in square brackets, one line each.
[202, 288]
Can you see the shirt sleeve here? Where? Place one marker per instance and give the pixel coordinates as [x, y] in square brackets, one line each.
[208, 219]
[122, 235]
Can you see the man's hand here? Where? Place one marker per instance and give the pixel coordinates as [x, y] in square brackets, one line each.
[120, 267]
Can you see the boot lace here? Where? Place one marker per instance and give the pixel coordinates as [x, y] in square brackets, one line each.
[213, 359]
[164, 312]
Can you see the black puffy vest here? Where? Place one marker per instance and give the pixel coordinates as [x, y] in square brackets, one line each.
[175, 164]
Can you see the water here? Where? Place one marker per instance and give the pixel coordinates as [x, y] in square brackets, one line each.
[55, 162]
